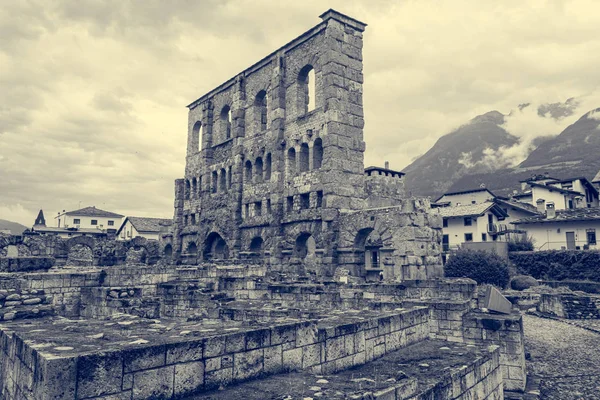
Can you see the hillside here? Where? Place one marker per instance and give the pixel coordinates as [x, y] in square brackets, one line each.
[14, 227]
[453, 154]
[574, 152]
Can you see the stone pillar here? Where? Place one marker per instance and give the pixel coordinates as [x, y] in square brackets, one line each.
[343, 145]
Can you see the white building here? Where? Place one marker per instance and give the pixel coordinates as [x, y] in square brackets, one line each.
[148, 228]
[90, 221]
[566, 194]
[479, 215]
[573, 229]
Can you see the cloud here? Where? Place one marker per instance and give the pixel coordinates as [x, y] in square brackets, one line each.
[94, 92]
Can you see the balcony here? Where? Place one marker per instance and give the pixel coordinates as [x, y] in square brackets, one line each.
[496, 229]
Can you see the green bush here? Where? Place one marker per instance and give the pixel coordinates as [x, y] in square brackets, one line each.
[522, 282]
[481, 266]
[521, 243]
[558, 264]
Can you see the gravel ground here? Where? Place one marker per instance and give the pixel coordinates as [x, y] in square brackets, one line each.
[565, 357]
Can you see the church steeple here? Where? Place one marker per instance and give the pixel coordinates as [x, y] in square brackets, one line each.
[40, 220]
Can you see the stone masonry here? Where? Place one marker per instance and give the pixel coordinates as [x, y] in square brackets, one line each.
[274, 170]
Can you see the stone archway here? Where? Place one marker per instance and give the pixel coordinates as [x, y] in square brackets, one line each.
[305, 252]
[256, 247]
[80, 254]
[215, 247]
[368, 244]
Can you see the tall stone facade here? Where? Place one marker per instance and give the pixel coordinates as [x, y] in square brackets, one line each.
[275, 174]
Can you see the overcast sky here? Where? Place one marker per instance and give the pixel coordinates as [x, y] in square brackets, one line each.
[93, 99]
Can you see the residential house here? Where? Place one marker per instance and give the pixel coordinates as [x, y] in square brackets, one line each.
[479, 215]
[90, 221]
[569, 193]
[149, 228]
[554, 229]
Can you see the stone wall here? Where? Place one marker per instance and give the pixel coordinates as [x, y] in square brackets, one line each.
[505, 331]
[191, 366]
[570, 306]
[25, 264]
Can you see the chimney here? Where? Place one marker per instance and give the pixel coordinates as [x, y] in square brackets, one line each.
[387, 165]
[541, 205]
[550, 211]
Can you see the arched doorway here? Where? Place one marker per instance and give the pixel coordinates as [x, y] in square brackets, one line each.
[305, 253]
[368, 244]
[215, 247]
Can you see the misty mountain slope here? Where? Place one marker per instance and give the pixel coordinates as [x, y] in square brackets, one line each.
[578, 142]
[14, 227]
[448, 160]
[574, 152]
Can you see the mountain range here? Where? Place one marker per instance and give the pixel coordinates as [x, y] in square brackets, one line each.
[482, 152]
[14, 227]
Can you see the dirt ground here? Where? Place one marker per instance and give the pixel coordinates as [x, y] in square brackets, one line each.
[566, 358]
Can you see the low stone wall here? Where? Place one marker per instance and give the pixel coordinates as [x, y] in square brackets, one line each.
[505, 331]
[25, 264]
[100, 302]
[481, 379]
[570, 306]
[584, 286]
[191, 366]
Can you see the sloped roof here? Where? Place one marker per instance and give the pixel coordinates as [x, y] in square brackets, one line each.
[474, 190]
[468, 210]
[597, 177]
[577, 214]
[518, 204]
[94, 212]
[147, 225]
[555, 188]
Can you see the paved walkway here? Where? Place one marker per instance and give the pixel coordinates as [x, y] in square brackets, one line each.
[565, 357]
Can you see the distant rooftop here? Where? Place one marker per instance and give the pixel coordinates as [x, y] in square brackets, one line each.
[147, 225]
[474, 190]
[577, 214]
[93, 212]
[469, 210]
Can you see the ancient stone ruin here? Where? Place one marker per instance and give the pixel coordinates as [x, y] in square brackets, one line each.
[291, 272]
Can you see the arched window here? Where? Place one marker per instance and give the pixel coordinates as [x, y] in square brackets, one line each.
[307, 89]
[168, 251]
[256, 245]
[291, 162]
[222, 180]
[194, 187]
[226, 121]
[187, 189]
[261, 110]
[258, 170]
[303, 165]
[215, 178]
[317, 153]
[248, 172]
[197, 135]
[200, 185]
[268, 168]
[229, 177]
[192, 249]
[305, 246]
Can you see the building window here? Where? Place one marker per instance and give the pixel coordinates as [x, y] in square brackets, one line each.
[193, 219]
[94, 222]
[268, 168]
[304, 163]
[75, 221]
[473, 201]
[445, 222]
[468, 221]
[248, 174]
[317, 154]
[226, 121]
[290, 203]
[111, 223]
[258, 208]
[591, 236]
[215, 181]
[484, 237]
[268, 206]
[261, 110]
[306, 89]
[468, 237]
[291, 162]
[258, 168]
[305, 200]
[319, 199]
